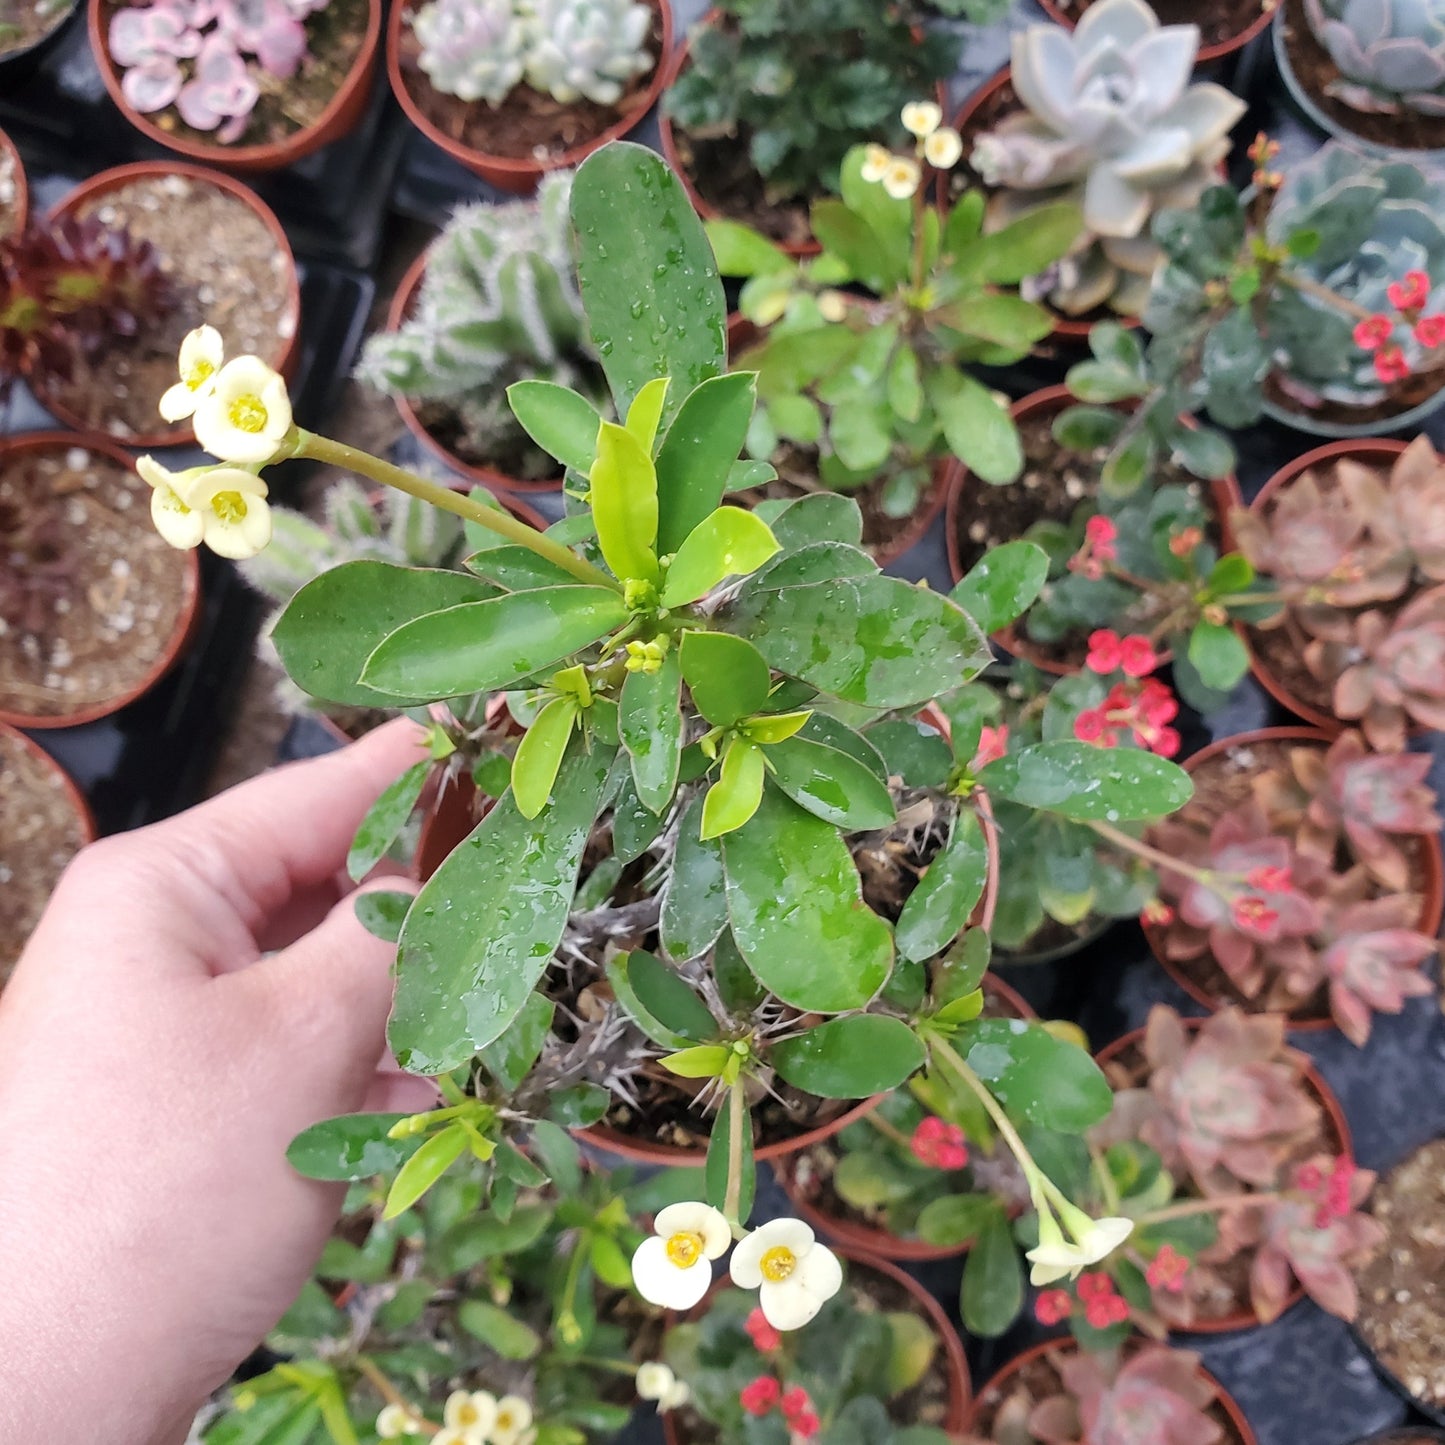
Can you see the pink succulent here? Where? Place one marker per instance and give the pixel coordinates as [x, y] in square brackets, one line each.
[1373, 961]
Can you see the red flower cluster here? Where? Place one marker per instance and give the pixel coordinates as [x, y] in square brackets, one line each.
[1411, 293]
[1269, 878]
[1333, 1190]
[1145, 711]
[763, 1395]
[1167, 1270]
[1053, 1306]
[1102, 1306]
[992, 745]
[1158, 912]
[1181, 544]
[798, 1411]
[764, 1337]
[1134, 655]
[1100, 536]
[1254, 915]
[1375, 333]
[759, 1396]
[939, 1144]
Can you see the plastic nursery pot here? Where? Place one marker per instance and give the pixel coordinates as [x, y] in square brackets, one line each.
[120, 176]
[882, 1243]
[12, 168]
[340, 116]
[1207, 53]
[12, 448]
[994, 1391]
[955, 1363]
[1432, 884]
[509, 173]
[1368, 452]
[1337, 1127]
[1047, 402]
[488, 477]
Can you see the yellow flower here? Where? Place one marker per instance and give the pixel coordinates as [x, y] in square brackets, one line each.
[876, 160]
[224, 507]
[202, 352]
[902, 179]
[943, 148]
[246, 415]
[922, 117]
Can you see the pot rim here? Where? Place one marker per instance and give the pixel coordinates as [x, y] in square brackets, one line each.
[186, 620]
[1207, 53]
[78, 801]
[22, 184]
[36, 48]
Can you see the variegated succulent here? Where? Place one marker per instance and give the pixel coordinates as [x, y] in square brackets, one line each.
[1390, 53]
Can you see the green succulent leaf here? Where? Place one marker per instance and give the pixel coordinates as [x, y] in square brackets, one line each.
[515, 568]
[623, 496]
[1218, 655]
[510, 1058]
[993, 1285]
[384, 820]
[818, 517]
[433, 1157]
[938, 908]
[1034, 1075]
[351, 1147]
[1090, 784]
[539, 755]
[659, 1002]
[734, 797]
[645, 413]
[1003, 584]
[727, 675]
[850, 1058]
[729, 543]
[511, 1338]
[381, 912]
[695, 461]
[977, 426]
[742, 251]
[1022, 249]
[956, 1219]
[831, 784]
[562, 423]
[649, 719]
[694, 900]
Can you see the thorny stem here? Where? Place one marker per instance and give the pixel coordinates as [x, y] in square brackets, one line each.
[388, 1392]
[494, 519]
[1207, 1206]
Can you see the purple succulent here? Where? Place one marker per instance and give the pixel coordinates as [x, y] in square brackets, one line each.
[221, 94]
[266, 29]
[162, 31]
[1373, 961]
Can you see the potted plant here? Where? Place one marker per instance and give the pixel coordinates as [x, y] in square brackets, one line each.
[251, 88]
[513, 90]
[881, 1358]
[1062, 1395]
[14, 192]
[48, 823]
[1400, 1294]
[769, 99]
[1081, 118]
[492, 301]
[1223, 31]
[1346, 536]
[95, 607]
[218, 251]
[871, 395]
[1376, 83]
[29, 30]
[1304, 877]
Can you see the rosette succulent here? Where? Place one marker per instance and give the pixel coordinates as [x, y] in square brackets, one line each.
[472, 49]
[1390, 53]
[1110, 121]
[587, 49]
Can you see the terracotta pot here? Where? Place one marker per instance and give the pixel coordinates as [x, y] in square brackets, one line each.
[500, 482]
[1432, 884]
[17, 66]
[1206, 52]
[1050, 399]
[1382, 452]
[185, 626]
[22, 187]
[880, 1243]
[955, 1363]
[998, 1384]
[1338, 1128]
[340, 116]
[510, 173]
[88, 830]
[119, 176]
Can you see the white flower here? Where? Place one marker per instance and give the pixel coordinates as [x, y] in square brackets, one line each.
[793, 1274]
[943, 148]
[876, 160]
[673, 1268]
[922, 117]
[394, 1422]
[832, 306]
[457, 1437]
[514, 1419]
[224, 507]
[472, 1413]
[246, 414]
[902, 178]
[202, 352]
[656, 1382]
[1054, 1256]
[175, 519]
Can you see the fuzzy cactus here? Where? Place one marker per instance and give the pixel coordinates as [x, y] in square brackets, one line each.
[472, 49]
[1390, 53]
[587, 49]
[1110, 121]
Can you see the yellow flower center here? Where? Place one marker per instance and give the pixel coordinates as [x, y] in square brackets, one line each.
[778, 1263]
[505, 1420]
[171, 500]
[248, 413]
[198, 375]
[684, 1248]
[468, 1414]
[229, 506]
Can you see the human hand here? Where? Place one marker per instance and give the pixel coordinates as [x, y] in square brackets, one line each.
[154, 1065]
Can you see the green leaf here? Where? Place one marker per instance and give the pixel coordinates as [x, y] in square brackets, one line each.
[727, 675]
[336, 621]
[1203, 452]
[1231, 573]
[1086, 783]
[613, 1268]
[1116, 344]
[431, 1160]
[956, 1219]
[484, 928]
[635, 827]
[913, 751]
[650, 286]
[578, 1106]
[1034, 1075]
[905, 385]
[729, 543]
[999, 317]
[645, 412]
[890, 219]
[1024, 248]
[1218, 655]
[515, 568]
[977, 426]
[558, 1154]
[384, 820]
[539, 755]
[1128, 466]
[961, 972]
[831, 784]
[511, 1338]
[352, 1147]
[742, 251]
[1096, 381]
[623, 497]
[853, 241]
[650, 721]
[694, 900]
[797, 910]
[818, 517]
[510, 1058]
[850, 1058]
[699, 1061]
[488, 646]
[667, 998]
[1084, 429]
[562, 423]
[1003, 584]
[914, 1345]
[938, 908]
[727, 1142]
[698, 453]
[484, 1236]
[993, 1284]
[734, 797]
[381, 912]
